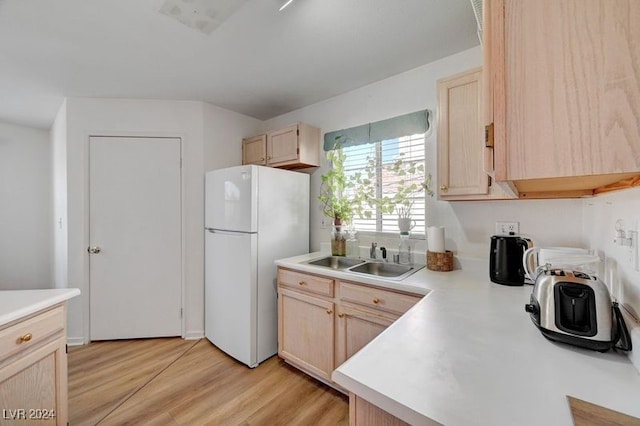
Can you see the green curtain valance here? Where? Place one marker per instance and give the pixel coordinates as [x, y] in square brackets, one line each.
[402, 125]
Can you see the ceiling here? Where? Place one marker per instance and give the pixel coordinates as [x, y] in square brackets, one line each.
[259, 61]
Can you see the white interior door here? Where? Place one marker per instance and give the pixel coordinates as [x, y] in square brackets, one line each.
[135, 236]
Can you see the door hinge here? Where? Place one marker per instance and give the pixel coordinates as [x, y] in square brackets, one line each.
[488, 136]
[181, 312]
[298, 150]
[66, 348]
[297, 132]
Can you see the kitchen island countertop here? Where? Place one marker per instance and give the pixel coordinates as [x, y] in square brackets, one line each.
[16, 304]
[468, 354]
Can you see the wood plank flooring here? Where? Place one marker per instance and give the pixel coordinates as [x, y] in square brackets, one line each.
[178, 382]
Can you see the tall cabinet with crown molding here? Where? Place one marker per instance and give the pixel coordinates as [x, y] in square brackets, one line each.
[561, 104]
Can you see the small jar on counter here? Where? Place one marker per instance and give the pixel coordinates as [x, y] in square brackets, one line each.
[353, 247]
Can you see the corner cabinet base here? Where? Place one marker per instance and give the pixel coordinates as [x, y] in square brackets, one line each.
[363, 413]
[322, 322]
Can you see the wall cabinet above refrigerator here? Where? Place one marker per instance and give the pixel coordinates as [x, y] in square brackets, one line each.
[293, 147]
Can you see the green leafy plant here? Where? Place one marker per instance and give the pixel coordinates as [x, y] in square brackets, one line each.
[346, 196]
[408, 180]
[336, 204]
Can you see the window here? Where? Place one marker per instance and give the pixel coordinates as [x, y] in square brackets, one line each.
[377, 164]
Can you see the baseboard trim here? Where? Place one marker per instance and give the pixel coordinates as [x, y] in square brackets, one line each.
[75, 341]
[194, 335]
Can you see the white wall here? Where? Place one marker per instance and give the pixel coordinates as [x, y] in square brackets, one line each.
[223, 134]
[59, 187]
[469, 225]
[600, 216]
[25, 206]
[124, 117]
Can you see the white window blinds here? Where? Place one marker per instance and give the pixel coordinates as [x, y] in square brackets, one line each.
[386, 167]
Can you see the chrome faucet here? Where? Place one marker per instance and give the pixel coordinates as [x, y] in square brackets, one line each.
[384, 253]
[372, 250]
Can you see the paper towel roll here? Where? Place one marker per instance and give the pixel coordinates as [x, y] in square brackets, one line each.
[435, 239]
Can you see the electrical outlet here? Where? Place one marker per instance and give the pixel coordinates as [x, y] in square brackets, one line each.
[324, 223]
[505, 228]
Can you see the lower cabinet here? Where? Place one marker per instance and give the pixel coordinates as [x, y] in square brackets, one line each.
[363, 413]
[323, 322]
[356, 328]
[306, 332]
[33, 369]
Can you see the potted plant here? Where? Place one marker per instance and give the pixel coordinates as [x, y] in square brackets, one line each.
[336, 204]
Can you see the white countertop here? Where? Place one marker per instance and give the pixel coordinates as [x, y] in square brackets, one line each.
[468, 354]
[16, 304]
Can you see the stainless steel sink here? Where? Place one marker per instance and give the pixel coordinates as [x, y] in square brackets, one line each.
[336, 262]
[386, 270]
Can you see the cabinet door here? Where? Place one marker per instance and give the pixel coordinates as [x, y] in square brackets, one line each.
[460, 143]
[254, 150]
[306, 332]
[364, 413]
[356, 328]
[565, 99]
[282, 146]
[33, 389]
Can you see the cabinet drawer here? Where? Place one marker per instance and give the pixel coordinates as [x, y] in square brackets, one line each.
[31, 332]
[398, 303]
[306, 282]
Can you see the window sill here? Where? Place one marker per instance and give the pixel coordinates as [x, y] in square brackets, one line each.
[375, 234]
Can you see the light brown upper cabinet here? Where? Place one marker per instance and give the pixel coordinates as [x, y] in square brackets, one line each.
[293, 147]
[254, 150]
[461, 172]
[562, 99]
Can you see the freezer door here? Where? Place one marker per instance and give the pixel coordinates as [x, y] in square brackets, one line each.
[231, 199]
[231, 293]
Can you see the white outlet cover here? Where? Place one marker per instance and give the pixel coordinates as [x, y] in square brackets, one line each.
[504, 227]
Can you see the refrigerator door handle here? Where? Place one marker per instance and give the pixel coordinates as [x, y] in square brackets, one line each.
[232, 233]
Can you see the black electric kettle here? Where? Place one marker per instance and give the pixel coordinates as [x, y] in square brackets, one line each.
[505, 262]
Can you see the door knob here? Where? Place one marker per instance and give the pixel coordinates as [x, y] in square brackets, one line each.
[443, 187]
[93, 249]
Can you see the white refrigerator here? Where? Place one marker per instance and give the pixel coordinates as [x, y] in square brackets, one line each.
[253, 216]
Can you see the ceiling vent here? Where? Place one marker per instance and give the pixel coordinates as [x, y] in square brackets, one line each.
[477, 10]
[202, 15]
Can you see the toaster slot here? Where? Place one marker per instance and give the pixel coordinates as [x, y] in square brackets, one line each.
[575, 308]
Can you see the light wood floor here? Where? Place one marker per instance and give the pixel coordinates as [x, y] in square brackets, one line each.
[178, 382]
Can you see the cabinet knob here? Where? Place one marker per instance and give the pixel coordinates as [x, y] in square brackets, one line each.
[340, 315]
[443, 187]
[376, 300]
[268, 157]
[301, 283]
[262, 159]
[25, 338]
[329, 311]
